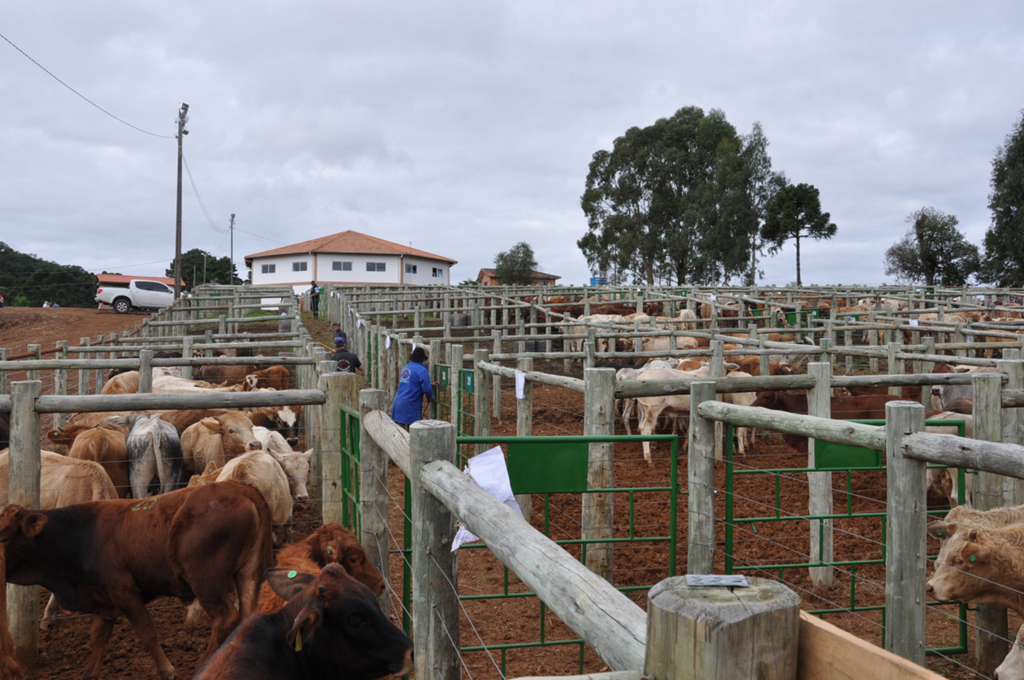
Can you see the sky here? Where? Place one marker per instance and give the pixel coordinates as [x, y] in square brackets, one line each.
[464, 127]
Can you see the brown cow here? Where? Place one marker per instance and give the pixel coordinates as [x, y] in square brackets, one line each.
[272, 377]
[109, 558]
[122, 383]
[863, 407]
[106, 445]
[225, 375]
[330, 543]
[182, 418]
[214, 441]
[331, 627]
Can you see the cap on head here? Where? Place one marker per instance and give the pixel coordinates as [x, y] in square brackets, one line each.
[339, 342]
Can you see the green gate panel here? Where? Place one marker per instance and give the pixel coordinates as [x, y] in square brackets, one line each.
[548, 467]
[829, 456]
[467, 380]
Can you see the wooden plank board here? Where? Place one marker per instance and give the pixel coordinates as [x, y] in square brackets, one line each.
[828, 652]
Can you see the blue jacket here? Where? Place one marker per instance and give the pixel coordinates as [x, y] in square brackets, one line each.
[413, 383]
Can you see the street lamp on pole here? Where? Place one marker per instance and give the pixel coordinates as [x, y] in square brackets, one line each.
[182, 119]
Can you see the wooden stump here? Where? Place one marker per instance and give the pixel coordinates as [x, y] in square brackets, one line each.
[722, 633]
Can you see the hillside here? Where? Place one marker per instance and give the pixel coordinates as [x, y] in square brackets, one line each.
[27, 280]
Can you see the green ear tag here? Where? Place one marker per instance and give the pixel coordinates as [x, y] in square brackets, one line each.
[973, 557]
[292, 573]
[939, 532]
[329, 551]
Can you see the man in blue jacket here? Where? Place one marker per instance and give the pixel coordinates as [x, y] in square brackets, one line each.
[413, 384]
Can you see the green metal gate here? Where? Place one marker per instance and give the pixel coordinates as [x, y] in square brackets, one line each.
[836, 458]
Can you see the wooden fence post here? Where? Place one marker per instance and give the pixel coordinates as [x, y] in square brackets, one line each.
[186, 353]
[481, 399]
[714, 632]
[1013, 369]
[895, 365]
[524, 427]
[819, 403]
[373, 494]
[700, 553]
[455, 385]
[435, 567]
[145, 371]
[23, 488]
[342, 389]
[496, 379]
[60, 385]
[992, 629]
[598, 508]
[906, 521]
[716, 369]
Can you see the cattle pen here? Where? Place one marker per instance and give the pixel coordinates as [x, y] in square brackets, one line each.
[500, 360]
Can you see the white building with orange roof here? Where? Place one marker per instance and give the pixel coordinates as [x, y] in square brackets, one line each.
[348, 258]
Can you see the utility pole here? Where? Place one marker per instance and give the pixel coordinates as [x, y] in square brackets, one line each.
[231, 267]
[182, 119]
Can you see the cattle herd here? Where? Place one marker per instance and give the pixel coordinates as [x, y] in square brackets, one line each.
[190, 504]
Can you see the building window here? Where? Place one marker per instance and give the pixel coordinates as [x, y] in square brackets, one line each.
[410, 269]
[438, 273]
[298, 266]
[268, 268]
[376, 266]
[340, 266]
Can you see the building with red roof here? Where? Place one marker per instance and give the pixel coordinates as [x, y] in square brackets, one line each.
[348, 258]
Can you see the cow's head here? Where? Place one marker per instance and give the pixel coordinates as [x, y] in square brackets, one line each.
[296, 469]
[338, 621]
[235, 431]
[971, 562]
[18, 528]
[333, 543]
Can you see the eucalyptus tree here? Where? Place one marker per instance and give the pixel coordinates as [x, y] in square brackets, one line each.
[674, 196]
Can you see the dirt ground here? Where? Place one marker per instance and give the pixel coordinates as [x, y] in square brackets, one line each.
[492, 623]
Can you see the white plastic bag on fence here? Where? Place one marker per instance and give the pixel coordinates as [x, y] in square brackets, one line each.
[488, 470]
[520, 385]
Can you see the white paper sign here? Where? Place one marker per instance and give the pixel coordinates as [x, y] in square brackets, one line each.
[714, 297]
[520, 385]
[488, 470]
[387, 342]
[913, 322]
[359, 323]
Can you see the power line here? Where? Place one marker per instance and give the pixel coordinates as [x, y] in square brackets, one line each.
[199, 198]
[7, 40]
[262, 237]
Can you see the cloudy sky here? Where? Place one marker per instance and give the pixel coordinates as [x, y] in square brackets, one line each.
[463, 127]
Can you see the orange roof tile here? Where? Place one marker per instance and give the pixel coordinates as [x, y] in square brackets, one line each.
[348, 242]
[120, 278]
[536, 274]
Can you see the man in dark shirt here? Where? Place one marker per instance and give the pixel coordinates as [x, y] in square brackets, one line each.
[338, 333]
[347, 361]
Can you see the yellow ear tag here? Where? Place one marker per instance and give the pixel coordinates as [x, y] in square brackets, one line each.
[298, 640]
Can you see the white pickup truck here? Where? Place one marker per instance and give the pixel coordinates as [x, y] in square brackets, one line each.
[138, 294]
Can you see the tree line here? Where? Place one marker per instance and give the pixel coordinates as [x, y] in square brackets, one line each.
[28, 281]
[689, 200]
